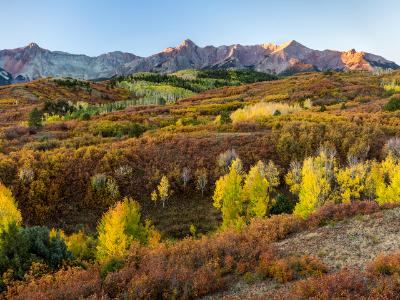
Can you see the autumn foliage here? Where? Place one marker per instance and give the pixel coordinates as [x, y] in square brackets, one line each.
[379, 281]
[191, 268]
[221, 163]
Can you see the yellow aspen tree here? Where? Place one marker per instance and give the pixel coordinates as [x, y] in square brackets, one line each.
[385, 178]
[201, 180]
[272, 175]
[112, 241]
[316, 176]
[154, 196]
[371, 179]
[118, 227]
[9, 212]
[228, 195]
[256, 191]
[352, 181]
[293, 177]
[163, 189]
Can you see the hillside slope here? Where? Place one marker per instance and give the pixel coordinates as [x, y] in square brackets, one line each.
[70, 150]
[252, 263]
[171, 135]
[352, 243]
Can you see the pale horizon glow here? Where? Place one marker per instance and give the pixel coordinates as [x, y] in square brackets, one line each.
[147, 27]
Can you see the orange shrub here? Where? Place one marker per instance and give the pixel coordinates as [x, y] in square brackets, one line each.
[380, 281]
[73, 283]
[338, 212]
[275, 228]
[291, 268]
[386, 265]
[342, 285]
[385, 288]
[192, 268]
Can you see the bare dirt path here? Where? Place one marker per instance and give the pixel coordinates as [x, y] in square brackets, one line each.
[349, 243]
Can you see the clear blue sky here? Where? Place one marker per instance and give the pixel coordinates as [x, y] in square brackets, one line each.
[148, 26]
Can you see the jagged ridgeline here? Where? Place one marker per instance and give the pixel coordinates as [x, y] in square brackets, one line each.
[284, 59]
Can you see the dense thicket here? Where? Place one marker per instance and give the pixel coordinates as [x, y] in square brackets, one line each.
[199, 80]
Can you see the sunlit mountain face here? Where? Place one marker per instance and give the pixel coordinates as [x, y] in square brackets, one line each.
[32, 62]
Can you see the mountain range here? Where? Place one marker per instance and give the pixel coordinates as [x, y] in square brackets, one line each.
[32, 62]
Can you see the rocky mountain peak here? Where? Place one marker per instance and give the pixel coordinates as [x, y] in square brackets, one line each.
[352, 51]
[292, 44]
[270, 46]
[33, 49]
[32, 45]
[187, 44]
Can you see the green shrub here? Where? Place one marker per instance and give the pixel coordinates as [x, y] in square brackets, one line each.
[85, 116]
[116, 129]
[52, 250]
[225, 117]
[73, 83]
[81, 246]
[20, 247]
[60, 107]
[44, 145]
[114, 264]
[14, 251]
[393, 104]
[135, 130]
[35, 119]
[282, 205]
[99, 181]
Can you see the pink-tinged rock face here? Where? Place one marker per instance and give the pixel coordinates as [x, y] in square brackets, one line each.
[267, 58]
[33, 62]
[14, 66]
